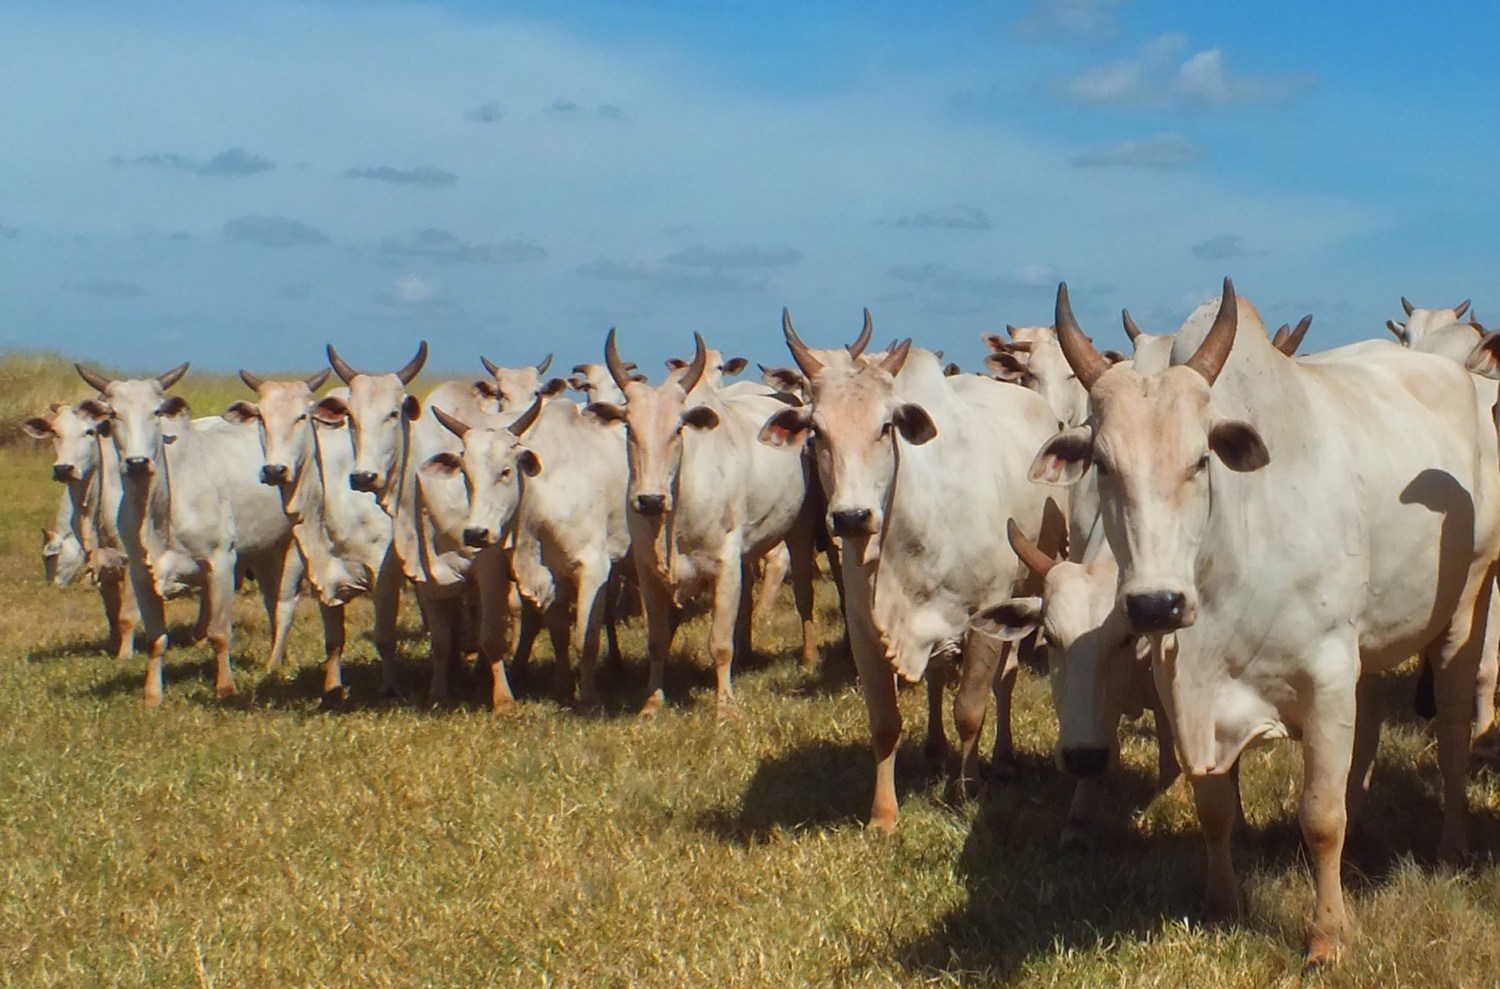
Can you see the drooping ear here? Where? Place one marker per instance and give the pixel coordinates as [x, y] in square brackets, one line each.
[784, 379]
[789, 427]
[701, 417]
[577, 383]
[1238, 445]
[92, 408]
[1065, 457]
[1006, 366]
[529, 463]
[241, 413]
[914, 424]
[443, 464]
[38, 428]
[486, 388]
[676, 363]
[605, 412]
[553, 386]
[173, 405]
[1011, 621]
[331, 411]
[1484, 359]
[994, 341]
[411, 407]
[1397, 329]
[1112, 357]
[734, 366]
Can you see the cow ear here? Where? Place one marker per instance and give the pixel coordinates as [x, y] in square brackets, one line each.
[1484, 359]
[331, 411]
[485, 388]
[411, 407]
[1397, 330]
[554, 386]
[1112, 357]
[529, 462]
[1006, 366]
[1238, 445]
[915, 424]
[994, 341]
[784, 379]
[1065, 457]
[241, 413]
[443, 464]
[789, 427]
[701, 417]
[38, 428]
[577, 383]
[605, 412]
[174, 405]
[94, 409]
[676, 363]
[735, 365]
[1011, 621]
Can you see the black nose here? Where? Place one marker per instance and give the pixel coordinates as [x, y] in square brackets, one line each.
[136, 466]
[651, 504]
[1085, 762]
[273, 474]
[476, 537]
[62, 472]
[1160, 611]
[362, 480]
[851, 522]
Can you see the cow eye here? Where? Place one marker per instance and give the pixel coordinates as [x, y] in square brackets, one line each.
[505, 473]
[302, 417]
[393, 415]
[1201, 465]
[885, 430]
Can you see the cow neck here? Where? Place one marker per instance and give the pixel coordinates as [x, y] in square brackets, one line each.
[145, 515]
[400, 500]
[86, 495]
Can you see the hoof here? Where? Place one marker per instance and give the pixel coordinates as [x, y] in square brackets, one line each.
[729, 711]
[503, 705]
[587, 706]
[1323, 950]
[882, 825]
[333, 700]
[653, 705]
[151, 700]
[225, 692]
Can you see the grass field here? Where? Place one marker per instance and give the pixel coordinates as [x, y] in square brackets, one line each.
[265, 844]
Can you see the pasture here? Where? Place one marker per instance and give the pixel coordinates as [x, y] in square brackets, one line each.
[261, 842]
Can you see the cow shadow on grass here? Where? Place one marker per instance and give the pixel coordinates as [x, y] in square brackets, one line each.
[96, 646]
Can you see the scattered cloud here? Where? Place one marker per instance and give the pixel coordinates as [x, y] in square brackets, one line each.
[744, 256]
[673, 278]
[1163, 75]
[569, 110]
[423, 176]
[955, 217]
[112, 288]
[234, 162]
[273, 231]
[1160, 151]
[437, 244]
[486, 113]
[412, 292]
[608, 111]
[1065, 20]
[1220, 248]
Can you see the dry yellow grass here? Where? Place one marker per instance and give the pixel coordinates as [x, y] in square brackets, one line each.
[397, 845]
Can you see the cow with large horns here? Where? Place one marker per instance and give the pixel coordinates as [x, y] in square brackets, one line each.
[511, 390]
[706, 501]
[1207, 474]
[191, 510]
[921, 471]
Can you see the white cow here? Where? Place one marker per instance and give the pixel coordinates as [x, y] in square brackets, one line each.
[63, 558]
[512, 390]
[921, 472]
[1420, 323]
[191, 509]
[1283, 527]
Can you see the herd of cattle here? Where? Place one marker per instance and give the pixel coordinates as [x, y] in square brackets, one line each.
[1212, 527]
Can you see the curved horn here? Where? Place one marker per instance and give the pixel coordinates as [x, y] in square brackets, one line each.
[489, 365]
[454, 424]
[524, 421]
[1461, 308]
[1278, 339]
[169, 378]
[1131, 330]
[414, 366]
[809, 364]
[896, 359]
[1294, 339]
[694, 373]
[1208, 360]
[251, 380]
[1030, 553]
[612, 361]
[1083, 358]
[546, 363]
[314, 382]
[863, 340]
[346, 373]
[95, 380]
[1407, 306]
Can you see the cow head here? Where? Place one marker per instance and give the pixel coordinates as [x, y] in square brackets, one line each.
[855, 415]
[596, 383]
[377, 410]
[283, 413]
[715, 370]
[1034, 360]
[139, 416]
[62, 557]
[1420, 322]
[493, 463]
[655, 419]
[513, 389]
[74, 435]
[1151, 439]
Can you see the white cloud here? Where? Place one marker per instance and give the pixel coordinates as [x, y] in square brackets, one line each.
[1162, 77]
[955, 217]
[1067, 19]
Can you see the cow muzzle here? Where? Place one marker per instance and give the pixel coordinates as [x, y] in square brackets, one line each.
[274, 475]
[476, 537]
[1155, 612]
[362, 480]
[651, 504]
[64, 472]
[852, 522]
[137, 466]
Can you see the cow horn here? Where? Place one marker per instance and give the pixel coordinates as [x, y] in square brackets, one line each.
[250, 380]
[1407, 306]
[315, 381]
[694, 372]
[346, 373]
[896, 359]
[546, 363]
[1278, 339]
[1083, 358]
[1294, 339]
[809, 364]
[525, 419]
[863, 340]
[453, 424]
[489, 365]
[414, 366]
[1009, 328]
[1461, 308]
[1208, 360]
[95, 380]
[613, 362]
[1131, 330]
[1030, 553]
[169, 378]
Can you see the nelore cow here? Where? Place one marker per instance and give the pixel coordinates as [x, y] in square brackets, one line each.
[514, 389]
[191, 510]
[706, 501]
[1422, 323]
[1283, 527]
[63, 559]
[921, 472]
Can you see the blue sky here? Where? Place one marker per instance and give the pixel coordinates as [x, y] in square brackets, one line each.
[236, 184]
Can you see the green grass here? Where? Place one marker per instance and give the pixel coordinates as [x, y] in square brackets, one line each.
[266, 844]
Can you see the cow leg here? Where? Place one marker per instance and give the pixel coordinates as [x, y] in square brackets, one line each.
[804, 565]
[1083, 811]
[611, 599]
[879, 688]
[218, 598]
[205, 616]
[744, 608]
[528, 628]
[724, 620]
[593, 593]
[1457, 672]
[1366, 742]
[492, 577]
[982, 657]
[1486, 734]
[333, 652]
[1003, 763]
[777, 562]
[559, 629]
[279, 593]
[154, 619]
[661, 625]
[387, 604]
[939, 672]
[1167, 769]
[1328, 743]
[119, 608]
[444, 615]
[1215, 798]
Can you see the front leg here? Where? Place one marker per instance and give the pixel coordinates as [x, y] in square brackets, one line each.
[983, 662]
[218, 602]
[1216, 800]
[725, 619]
[1327, 753]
